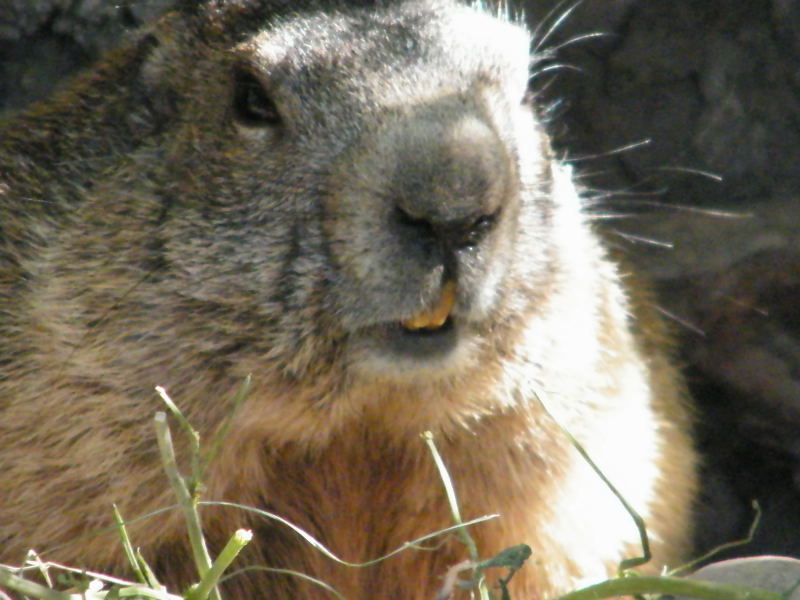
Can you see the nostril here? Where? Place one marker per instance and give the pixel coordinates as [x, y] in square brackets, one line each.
[455, 233]
[421, 225]
[472, 234]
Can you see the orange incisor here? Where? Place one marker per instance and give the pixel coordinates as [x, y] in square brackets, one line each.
[435, 316]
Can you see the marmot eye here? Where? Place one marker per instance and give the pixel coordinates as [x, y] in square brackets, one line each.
[252, 106]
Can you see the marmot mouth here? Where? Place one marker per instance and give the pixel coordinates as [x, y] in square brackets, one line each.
[423, 343]
[442, 328]
[425, 339]
[437, 316]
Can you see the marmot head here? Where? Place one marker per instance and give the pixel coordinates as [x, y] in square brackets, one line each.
[362, 186]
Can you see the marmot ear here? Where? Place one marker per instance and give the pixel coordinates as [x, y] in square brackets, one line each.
[243, 10]
[168, 41]
[230, 19]
[196, 7]
[188, 7]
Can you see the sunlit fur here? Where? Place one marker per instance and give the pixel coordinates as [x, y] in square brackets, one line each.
[153, 237]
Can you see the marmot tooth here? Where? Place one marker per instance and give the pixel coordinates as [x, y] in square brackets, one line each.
[434, 317]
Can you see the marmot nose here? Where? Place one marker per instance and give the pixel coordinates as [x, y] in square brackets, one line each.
[451, 181]
[455, 233]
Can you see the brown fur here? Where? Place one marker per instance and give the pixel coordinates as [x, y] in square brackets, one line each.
[152, 235]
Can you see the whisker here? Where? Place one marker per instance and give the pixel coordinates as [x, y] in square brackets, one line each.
[680, 320]
[612, 216]
[553, 67]
[541, 41]
[692, 171]
[711, 212]
[612, 152]
[576, 40]
[638, 239]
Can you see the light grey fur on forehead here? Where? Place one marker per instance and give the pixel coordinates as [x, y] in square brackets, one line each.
[474, 36]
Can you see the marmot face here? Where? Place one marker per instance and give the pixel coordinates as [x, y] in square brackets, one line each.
[380, 189]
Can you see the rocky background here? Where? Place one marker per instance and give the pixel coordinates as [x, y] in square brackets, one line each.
[682, 119]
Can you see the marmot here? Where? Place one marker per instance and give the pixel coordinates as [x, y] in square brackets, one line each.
[355, 203]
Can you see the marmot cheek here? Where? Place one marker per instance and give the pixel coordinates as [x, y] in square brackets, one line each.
[435, 316]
